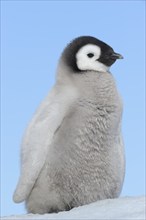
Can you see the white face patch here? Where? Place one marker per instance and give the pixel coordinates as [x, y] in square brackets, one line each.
[87, 58]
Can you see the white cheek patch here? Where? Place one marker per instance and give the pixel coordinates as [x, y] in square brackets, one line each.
[86, 63]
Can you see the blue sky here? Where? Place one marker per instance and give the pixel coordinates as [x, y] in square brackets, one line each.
[33, 35]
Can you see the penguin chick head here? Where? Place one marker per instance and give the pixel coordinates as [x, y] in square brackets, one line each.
[88, 53]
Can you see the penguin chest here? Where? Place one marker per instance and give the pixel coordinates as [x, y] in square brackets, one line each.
[85, 149]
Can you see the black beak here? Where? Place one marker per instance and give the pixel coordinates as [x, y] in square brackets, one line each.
[116, 56]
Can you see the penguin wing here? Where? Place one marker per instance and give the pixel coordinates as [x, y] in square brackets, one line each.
[39, 136]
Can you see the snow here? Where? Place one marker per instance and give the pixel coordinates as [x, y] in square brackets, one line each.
[125, 208]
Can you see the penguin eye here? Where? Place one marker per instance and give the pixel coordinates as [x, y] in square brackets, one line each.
[90, 55]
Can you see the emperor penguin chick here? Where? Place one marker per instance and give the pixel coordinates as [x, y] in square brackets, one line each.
[72, 152]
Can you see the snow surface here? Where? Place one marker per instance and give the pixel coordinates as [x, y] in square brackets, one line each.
[125, 208]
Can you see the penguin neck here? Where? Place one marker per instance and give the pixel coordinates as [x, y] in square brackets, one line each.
[93, 79]
[88, 83]
[64, 75]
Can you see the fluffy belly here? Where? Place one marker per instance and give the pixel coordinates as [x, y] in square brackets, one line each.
[85, 163]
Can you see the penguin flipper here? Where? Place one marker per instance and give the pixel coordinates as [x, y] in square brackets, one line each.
[39, 136]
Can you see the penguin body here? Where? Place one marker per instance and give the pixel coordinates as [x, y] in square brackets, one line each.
[72, 152]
